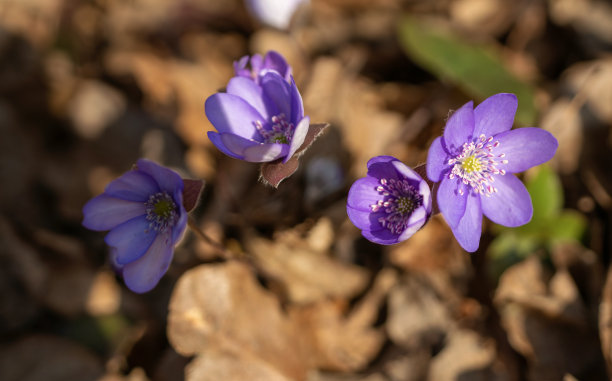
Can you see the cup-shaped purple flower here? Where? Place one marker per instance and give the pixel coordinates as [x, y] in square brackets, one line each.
[258, 122]
[256, 66]
[474, 162]
[143, 209]
[391, 203]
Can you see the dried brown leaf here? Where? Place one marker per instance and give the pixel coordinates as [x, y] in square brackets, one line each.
[222, 308]
[547, 322]
[306, 274]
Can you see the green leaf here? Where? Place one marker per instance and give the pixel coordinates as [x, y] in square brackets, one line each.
[546, 195]
[477, 69]
[570, 225]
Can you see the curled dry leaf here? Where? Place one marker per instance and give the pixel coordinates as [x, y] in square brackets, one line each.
[547, 322]
[221, 314]
[563, 121]
[221, 309]
[467, 356]
[305, 273]
[275, 172]
[417, 316]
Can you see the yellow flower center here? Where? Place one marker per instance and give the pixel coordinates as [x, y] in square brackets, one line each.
[471, 164]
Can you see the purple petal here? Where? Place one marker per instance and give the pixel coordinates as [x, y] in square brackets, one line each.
[525, 148]
[510, 205]
[256, 63]
[459, 128]
[406, 171]
[265, 152]
[237, 144]
[363, 194]
[132, 186]
[179, 227]
[380, 159]
[131, 239]
[297, 105]
[248, 90]
[168, 180]
[231, 114]
[240, 67]
[382, 237]
[381, 167]
[451, 203]
[359, 218]
[299, 134]
[437, 160]
[427, 199]
[275, 61]
[215, 138]
[144, 273]
[104, 212]
[279, 91]
[495, 114]
[467, 232]
[415, 222]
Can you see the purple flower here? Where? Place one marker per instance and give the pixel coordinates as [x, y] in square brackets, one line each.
[143, 209]
[259, 66]
[275, 13]
[258, 122]
[391, 203]
[474, 161]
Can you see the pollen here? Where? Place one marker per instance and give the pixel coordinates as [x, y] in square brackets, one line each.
[477, 164]
[161, 211]
[399, 199]
[280, 130]
[471, 164]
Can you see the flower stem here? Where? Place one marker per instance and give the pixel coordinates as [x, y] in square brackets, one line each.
[219, 248]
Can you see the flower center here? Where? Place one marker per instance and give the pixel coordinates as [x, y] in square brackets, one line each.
[399, 200]
[280, 132]
[476, 165]
[161, 211]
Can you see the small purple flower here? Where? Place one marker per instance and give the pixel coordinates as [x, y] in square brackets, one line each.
[474, 161]
[143, 209]
[391, 203]
[275, 13]
[259, 66]
[258, 122]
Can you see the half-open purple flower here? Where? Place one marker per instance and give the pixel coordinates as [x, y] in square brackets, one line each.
[258, 122]
[391, 203]
[474, 161]
[259, 66]
[143, 209]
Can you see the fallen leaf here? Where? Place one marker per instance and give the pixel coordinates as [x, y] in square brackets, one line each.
[222, 308]
[306, 274]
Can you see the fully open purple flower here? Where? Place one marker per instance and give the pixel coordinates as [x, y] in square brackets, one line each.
[259, 66]
[258, 122]
[391, 203]
[143, 209]
[474, 161]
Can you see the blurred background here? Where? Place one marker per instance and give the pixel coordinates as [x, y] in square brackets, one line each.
[87, 87]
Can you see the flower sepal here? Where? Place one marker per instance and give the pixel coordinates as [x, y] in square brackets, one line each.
[191, 193]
